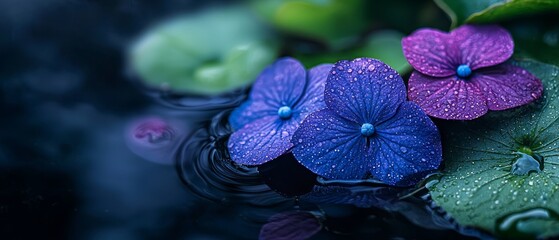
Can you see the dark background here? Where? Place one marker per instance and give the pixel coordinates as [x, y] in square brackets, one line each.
[65, 100]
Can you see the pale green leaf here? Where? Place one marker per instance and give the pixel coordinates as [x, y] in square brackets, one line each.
[210, 52]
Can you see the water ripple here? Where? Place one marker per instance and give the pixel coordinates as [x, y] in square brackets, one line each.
[201, 103]
[204, 166]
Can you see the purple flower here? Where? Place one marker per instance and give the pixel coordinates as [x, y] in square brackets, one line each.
[368, 128]
[294, 225]
[459, 75]
[282, 96]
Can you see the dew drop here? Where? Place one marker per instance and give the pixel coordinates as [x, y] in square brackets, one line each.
[403, 149]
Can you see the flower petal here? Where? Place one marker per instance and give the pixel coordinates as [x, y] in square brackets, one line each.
[280, 84]
[297, 225]
[262, 140]
[429, 52]
[313, 99]
[483, 46]
[331, 146]
[364, 90]
[507, 86]
[409, 147]
[447, 98]
[251, 111]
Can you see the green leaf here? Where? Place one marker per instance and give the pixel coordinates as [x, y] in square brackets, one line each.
[488, 11]
[477, 186]
[332, 21]
[384, 45]
[211, 52]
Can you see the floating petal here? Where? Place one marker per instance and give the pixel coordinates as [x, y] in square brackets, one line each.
[297, 225]
[251, 111]
[262, 140]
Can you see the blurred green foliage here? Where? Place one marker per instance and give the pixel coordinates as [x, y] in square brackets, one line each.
[210, 52]
[331, 21]
[383, 45]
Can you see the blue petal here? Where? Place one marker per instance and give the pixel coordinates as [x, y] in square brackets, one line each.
[251, 111]
[332, 146]
[313, 99]
[364, 90]
[262, 140]
[280, 84]
[409, 147]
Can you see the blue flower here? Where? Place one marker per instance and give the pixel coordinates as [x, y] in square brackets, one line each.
[368, 128]
[282, 96]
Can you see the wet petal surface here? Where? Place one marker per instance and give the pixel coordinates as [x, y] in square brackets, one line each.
[364, 90]
[281, 84]
[507, 86]
[482, 46]
[429, 52]
[262, 140]
[251, 111]
[313, 99]
[332, 146]
[447, 98]
[409, 147]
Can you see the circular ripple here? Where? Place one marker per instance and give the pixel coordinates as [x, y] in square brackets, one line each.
[204, 166]
[201, 103]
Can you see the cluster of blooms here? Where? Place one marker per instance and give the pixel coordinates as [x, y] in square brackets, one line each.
[351, 120]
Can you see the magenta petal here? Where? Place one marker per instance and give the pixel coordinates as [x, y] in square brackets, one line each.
[447, 98]
[262, 140]
[295, 225]
[364, 90]
[313, 99]
[507, 86]
[429, 52]
[483, 46]
[280, 84]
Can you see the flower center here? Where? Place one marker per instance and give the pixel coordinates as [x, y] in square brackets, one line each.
[285, 112]
[463, 71]
[367, 129]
